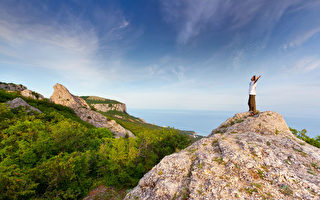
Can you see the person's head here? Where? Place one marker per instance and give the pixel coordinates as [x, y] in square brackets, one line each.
[253, 78]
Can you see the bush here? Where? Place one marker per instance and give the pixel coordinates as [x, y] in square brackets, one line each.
[303, 136]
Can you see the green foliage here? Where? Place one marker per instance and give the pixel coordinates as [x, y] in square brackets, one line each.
[55, 155]
[286, 190]
[303, 136]
[35, 94]
[99, 100]
[7, 96]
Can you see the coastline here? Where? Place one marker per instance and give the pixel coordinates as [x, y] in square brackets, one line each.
[203, 122]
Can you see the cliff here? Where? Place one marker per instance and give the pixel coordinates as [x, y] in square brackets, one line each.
[244, 158]
[61, 95]
[105, 105]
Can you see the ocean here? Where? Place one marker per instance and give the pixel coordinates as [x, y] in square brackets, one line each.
[203, 122]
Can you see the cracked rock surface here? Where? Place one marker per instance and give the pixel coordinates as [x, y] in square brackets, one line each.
[246, 157]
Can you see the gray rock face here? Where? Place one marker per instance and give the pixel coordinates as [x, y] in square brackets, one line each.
[244, 158]
[17, 102]
[12, 87]
[32, 95]
[61, 95]
[22, 89]
[107, 107]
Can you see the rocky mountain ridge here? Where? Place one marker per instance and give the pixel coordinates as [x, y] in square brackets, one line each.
[246, 157]
[22, 90]
[105, 105]
[61, 95]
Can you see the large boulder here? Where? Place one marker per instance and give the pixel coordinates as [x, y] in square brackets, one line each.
[61, 95]
[18, 102]
[246, 157]
[30, 94]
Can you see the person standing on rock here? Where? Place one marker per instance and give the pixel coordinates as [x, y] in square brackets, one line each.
[252, 95]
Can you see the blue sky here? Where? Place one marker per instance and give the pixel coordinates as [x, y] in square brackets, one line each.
[164, 54]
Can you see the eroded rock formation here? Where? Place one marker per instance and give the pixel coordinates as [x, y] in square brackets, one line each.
[244, 158]
[61, 95]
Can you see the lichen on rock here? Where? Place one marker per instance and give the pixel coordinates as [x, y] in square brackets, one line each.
[246, 157]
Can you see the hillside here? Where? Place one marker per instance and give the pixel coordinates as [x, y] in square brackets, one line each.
[104, 105]
[244, 158]
[117, 111]
[48, 152]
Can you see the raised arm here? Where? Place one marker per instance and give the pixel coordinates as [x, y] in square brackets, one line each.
[257, 79]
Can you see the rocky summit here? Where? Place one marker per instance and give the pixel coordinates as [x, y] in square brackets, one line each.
[21, 89]
[61, 95]
[246, 157]
[12, 86]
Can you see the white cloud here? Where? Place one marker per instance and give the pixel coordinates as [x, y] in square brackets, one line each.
[72, 49]
[190, 17]
[302, 38]
[307, 64]
[124, 24]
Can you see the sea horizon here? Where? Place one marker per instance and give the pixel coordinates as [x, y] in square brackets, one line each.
[204, 121]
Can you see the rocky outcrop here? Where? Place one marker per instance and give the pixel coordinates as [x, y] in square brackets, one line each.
[246, 157]
[12, 87]
[17, 102]
[61, 95]
[142, 120]
[106, 107]
[30, 94]
[22, 89]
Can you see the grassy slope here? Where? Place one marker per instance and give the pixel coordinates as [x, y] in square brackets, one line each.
[134, 124]
[92, 100]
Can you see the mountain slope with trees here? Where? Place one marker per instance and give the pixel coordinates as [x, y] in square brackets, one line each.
[56, 155]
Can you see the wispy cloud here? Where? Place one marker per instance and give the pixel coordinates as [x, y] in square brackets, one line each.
[307, 64]
[190, 18]
[302, 38]
[72, 48]
[168, 69]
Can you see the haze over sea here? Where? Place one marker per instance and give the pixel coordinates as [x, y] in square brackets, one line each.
[203, 122]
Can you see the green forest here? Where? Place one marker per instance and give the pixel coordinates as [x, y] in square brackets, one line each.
[55, 155]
